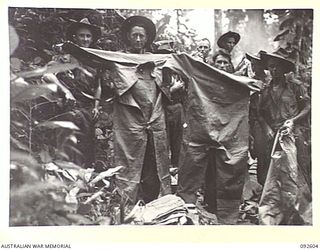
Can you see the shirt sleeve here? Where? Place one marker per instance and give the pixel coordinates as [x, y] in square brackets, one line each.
[299, 90]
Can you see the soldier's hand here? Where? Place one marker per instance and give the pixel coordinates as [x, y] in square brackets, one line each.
[95, 113]
[287, 126]
[288, 123]
[270, 133]
[176, 83]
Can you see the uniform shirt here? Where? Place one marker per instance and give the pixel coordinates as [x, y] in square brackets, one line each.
[281, 104]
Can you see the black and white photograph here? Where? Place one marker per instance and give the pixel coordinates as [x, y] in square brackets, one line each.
[146, 117]
[160, 117]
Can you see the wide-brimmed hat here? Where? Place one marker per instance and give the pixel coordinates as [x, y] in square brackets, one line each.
[164, 47]
[287, 65]
[83, 23]
[223, 38]
[256, 57]
[138, 21]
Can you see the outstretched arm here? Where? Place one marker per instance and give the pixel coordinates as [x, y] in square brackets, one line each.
[97, 96]
[302, 99]
[51, 78]
[299, 117]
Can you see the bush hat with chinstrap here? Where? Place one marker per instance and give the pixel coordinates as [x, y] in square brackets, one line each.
[224, 37]
[287, 65]
[83, 23]
[255, 57]
[140, 21]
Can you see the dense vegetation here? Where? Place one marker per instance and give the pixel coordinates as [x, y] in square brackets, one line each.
[46, 188]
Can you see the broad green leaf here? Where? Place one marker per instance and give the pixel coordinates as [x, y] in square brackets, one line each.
[51, 166]
[17, 85]
[18, 114]
[86, 174]
[45, 155]
[81, 195]
[37, 60]
[14, 39]
[94, 196]
[23, 159]
[58, 124]
[110, 172]
[106, 183]
[32, 92]
[51, 78]
[60, 154]
[49, 68]
[18, 144]
[81, 184]
[31, 188]
[70, 174]
[71, 196]
[15, 64]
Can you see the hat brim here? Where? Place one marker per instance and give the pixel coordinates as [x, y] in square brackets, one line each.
[138, 20]
[252, 57]
[287, 65]
[96, 31]
[222, 38]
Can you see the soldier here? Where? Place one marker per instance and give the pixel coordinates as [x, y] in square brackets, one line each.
[283, 102]
[203, 49]
[227, 42]
[83, 33]
[140, 138]
[82, 90]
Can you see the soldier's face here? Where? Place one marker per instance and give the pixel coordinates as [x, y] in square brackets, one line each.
[221, 62]
[83, 37]
[204, 48]
[137, 38]
[230, 43]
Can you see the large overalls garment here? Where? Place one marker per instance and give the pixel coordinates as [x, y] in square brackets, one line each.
[140, 136]
[218, 140]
